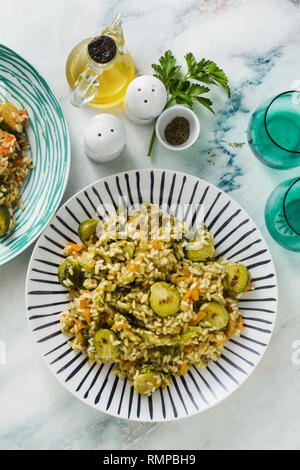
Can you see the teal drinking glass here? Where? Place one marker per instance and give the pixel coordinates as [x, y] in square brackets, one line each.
[274, 131]
[282, 214]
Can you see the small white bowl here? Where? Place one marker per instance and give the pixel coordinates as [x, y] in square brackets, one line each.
[167, 116]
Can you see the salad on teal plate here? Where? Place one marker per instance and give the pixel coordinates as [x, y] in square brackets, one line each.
[43, 180]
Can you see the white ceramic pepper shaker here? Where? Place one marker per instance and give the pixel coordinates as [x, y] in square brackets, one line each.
[146, 98]
[104, 138]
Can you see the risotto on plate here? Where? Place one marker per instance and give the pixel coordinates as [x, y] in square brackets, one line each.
[149, 295]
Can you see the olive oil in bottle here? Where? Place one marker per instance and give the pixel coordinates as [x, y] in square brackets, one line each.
[100, 69]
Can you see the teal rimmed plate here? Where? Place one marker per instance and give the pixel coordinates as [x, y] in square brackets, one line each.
[49, 141]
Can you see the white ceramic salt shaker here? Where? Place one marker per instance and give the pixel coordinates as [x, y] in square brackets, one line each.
[146, 97]
[104, 138]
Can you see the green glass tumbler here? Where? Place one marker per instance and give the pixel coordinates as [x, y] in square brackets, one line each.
[282, 214]
[274, 131]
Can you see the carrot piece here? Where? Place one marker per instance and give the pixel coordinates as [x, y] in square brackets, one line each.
[184, 272]
[79, 325]
[240, 323]
[187, 295]
[156, 245]
[230, 329]
[189, 348]
[178, 279]
[9, 139]
[120, 326]
[79, 338]
[19, 179]
[162, 269]
[200, 315]
[87, 315]
[164, 385]
[247, 288]
[217, 340]
[134, 267]
[183, 369]
[18, 162]
[75, 247]
[4, 150]
[82, 303]
[195, 294]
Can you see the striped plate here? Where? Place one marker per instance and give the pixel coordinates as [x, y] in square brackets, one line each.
[48, 135]
[236, 237]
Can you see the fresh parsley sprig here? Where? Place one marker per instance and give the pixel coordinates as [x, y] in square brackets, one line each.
[184, 89]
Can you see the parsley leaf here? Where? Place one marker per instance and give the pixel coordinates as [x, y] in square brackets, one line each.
[167, 69]
[191, 92]
[206, 71]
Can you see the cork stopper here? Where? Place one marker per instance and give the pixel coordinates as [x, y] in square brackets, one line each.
[102, 49]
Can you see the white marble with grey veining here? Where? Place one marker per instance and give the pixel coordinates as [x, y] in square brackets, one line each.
[257, 42]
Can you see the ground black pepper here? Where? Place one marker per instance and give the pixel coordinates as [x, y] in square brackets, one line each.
[177, 131]
[102, 49]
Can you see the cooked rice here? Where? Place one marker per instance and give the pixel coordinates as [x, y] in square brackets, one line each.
[115, 295]
[15, 163]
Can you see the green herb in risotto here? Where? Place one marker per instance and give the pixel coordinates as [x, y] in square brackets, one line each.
[144, 302]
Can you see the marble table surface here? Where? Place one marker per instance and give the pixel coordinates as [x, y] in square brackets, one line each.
[257, 43]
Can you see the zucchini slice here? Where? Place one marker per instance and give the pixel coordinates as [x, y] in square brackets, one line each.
[5, 219]
[216, 315]
[188, 334]
[197, 252]
[147, 379]
[164, 299]
[104, 341]
[237, 278]
[87, 228]
[69, 271]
